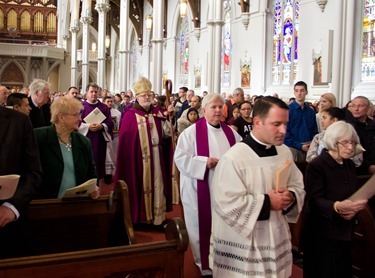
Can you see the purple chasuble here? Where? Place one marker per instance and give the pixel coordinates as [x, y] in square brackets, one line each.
[98, 142]
[203, 190]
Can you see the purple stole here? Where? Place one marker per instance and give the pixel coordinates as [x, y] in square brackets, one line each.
[203, 190]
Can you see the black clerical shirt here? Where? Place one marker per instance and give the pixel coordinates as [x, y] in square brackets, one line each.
[262, 151]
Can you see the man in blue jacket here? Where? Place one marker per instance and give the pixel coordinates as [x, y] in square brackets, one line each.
[302, 125]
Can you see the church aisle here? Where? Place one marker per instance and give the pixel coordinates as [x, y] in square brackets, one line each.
[190, 269]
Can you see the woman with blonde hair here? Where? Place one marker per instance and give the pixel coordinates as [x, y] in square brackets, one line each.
[326, 101]
[65, 154]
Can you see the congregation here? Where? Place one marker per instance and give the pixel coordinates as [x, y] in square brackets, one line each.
[227, 150]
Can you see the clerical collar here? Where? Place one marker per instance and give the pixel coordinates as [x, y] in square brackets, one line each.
[215, 126]
[267, 146]
[92, 102]
[261, 149]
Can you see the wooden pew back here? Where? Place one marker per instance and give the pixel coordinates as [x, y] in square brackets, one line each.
[162, 259]
[81, 223]
[95, 225]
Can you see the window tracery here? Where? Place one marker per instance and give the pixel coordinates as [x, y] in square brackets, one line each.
[285, 41]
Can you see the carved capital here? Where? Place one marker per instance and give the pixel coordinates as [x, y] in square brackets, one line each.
[74, 29]
[103, 7]
[86, 20]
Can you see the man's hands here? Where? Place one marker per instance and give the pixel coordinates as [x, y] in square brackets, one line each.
[95, 127]
[6, 216]
[212, 162]
[280, 200]
[347, 208]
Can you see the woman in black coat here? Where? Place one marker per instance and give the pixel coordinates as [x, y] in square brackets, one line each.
[65, 155]
[330, 179]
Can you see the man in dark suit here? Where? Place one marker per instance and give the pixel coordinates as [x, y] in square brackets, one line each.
[19, 155]
[39, 101]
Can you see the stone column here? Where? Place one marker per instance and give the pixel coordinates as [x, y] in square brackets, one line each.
[214, 24]
[157, 45]
[86, 20]
[102, 6]
[73, 63]
[74, 28]
[124, 46]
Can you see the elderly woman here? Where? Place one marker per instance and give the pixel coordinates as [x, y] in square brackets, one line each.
[330, 179]
[66, 155]
[328, 117]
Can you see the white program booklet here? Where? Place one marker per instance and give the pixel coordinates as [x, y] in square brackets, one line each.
[81, 190]
[366, 191]
[8, 185]
[95, 117]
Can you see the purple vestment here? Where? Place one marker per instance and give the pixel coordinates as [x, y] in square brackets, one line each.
[203, 191]
[130, 161]
[98, 141]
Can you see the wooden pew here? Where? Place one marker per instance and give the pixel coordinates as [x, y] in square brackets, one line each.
[80, 223]
[363, 247]
[101, 258]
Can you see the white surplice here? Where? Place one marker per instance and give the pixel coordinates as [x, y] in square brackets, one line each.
[192, 168]
[242, 246]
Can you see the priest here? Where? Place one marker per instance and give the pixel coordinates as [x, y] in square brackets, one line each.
[98, 127]
[140, 160]
[197, 153]
[250, 212]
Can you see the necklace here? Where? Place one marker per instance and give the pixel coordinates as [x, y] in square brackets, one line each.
[68, 144]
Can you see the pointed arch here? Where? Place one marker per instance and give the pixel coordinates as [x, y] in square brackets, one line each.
[183, 51]
[38, 22]
[25, 24]
[12, 19]
[13, 73]
[51, 23]
[285, 41]
[1, 20]
[368, 42]
[226, 41]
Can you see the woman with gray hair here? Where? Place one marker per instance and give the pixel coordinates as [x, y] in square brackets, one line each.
[65, 155]
[328, 222]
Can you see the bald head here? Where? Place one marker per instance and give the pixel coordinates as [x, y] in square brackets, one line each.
[3, 95]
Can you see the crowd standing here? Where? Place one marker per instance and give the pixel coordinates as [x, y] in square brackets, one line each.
[228, 149]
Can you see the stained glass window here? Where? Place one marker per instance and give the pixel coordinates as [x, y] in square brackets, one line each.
[368, 42]
[285, 41]
[184, 51]
[226, 49]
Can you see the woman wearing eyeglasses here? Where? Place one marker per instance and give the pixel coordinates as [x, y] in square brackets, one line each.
[328, 222]
[66, 155]
[244, 124]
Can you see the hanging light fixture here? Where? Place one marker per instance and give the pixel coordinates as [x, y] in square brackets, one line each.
[183, 8]
[148, 23]
[107, 41]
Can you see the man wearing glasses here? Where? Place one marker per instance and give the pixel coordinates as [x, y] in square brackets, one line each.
[140, 161]
[365, 128]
